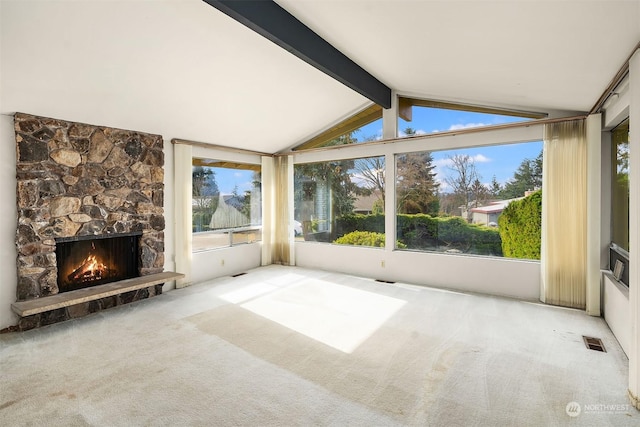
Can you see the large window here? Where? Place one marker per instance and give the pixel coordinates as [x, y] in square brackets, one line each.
[226, 204]
[340, 201]
[620, 185]
[481, 201]
[619, 255]
[419, 117]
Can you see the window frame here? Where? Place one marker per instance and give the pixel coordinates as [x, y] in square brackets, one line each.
[477, 137]
[231, 159]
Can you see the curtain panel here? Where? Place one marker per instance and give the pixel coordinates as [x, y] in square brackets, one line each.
[283, 228]
[564, 214]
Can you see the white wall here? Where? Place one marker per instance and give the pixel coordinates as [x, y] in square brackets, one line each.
[634, 228]
[8, 219]
[224, 261]
[616, 310]
[496, 276]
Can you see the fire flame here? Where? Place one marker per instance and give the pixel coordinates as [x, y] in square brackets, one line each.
[90, 269]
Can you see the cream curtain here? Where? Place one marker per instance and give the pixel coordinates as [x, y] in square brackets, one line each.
[268, 210]
[283, 223]
[183, 211]
[564, 214]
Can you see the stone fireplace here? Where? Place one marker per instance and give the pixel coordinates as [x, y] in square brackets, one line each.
[86, 261]
[77, 182]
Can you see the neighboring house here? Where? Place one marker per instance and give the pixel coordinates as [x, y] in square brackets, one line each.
[364, 204]
[227, 216]
[235, 201]
[488, 215]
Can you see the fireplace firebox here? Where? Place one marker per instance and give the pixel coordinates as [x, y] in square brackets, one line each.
[85, 261]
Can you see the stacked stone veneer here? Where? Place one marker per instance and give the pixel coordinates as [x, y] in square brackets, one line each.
[75, 179]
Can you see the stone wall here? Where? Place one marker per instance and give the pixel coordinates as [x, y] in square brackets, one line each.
[75, 179]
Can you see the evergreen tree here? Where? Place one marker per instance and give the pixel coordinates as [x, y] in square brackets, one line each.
[480, 193]
[334, 174]
[204, 182]
[417, 187]
[527, 177]
[205, 196]
[495, 189]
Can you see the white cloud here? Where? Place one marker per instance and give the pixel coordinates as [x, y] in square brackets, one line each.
[444, 186]
[466, 125]
[440, 163]
[478, 158]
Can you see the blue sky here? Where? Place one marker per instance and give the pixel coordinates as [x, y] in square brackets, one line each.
[228, 178]
[500, 161]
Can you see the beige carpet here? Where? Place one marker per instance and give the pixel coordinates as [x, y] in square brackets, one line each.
[288, 346]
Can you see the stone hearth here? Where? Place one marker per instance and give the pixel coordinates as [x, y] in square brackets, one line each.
[76, 179]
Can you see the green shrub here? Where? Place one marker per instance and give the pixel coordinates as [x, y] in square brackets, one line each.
[365, 238]
[485, 240]
[357, 222]
[418, 231]
[520, 227]
[424, 232]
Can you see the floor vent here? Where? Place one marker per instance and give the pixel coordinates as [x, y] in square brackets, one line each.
[594, 344]
[239, 274]
[385, 281]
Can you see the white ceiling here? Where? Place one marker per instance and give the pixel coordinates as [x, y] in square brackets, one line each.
[538, 55]
[182, 69]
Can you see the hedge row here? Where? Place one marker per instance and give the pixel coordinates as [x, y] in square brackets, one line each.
[424, 232]
[365, 238]
[520, 227]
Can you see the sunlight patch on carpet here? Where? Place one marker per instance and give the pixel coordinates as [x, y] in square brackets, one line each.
[248, 292]
[338, 316]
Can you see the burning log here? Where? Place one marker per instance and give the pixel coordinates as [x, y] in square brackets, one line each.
[89, 270]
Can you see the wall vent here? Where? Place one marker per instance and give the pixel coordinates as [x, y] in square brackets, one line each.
[594, 344]
[385, 281]
[239, 274]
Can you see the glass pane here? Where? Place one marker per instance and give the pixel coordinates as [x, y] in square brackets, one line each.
[426, 120]
[340, 201]
[251, 235]
[620, 186]
[481, 201]
[204, 240]
[226, 198]
[366, 133]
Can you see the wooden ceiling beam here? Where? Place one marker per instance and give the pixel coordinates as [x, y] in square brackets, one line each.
[270, 20]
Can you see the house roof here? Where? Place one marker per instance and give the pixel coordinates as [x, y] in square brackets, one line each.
[494, 207]
[185, 70]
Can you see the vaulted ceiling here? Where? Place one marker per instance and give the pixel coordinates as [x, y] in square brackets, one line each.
[183, 69]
